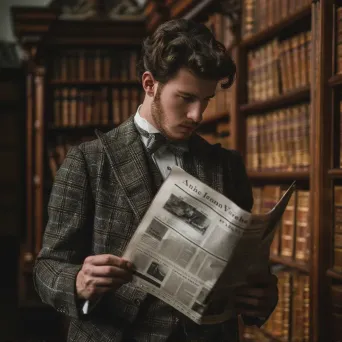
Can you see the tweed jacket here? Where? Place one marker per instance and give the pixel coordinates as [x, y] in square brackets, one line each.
[99, 196]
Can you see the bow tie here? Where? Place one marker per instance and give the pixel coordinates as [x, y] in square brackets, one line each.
[156, 140]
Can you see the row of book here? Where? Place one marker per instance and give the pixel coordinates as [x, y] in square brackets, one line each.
[279, 140]
[220, 104]
[221, 26]
[279, 67]
[221, 135]
[75, 107]
[258, 15]
[290, 321]
[339, 40]
[293, 235]
[95, 65]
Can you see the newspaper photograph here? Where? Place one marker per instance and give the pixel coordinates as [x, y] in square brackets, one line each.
[194, 246]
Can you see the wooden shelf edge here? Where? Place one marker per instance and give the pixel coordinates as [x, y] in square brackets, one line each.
[80, 128]
[187, 9]
[279, 175]
[290, 262]
[271, 31]
[335, 80]
[280, 101]
[335, 173]
[334, 274]
[93, 83]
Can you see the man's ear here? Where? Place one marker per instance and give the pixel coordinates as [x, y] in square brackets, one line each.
[149, 83]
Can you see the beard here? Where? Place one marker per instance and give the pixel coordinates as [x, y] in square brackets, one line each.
[159, 118]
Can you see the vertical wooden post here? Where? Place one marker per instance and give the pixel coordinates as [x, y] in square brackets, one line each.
[321, 196]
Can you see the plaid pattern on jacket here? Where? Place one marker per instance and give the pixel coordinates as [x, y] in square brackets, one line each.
[99, 196]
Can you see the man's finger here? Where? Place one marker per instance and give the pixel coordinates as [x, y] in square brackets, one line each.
[109, 271]
[110, 282]
[108, 259]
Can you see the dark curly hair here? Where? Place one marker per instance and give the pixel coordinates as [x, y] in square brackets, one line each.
[185, 43]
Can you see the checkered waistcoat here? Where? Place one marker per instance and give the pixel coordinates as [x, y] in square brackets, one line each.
[99, 196]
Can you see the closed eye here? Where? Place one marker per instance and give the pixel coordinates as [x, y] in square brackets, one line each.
[188, 99]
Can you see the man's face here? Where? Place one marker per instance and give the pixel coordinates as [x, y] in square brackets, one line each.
[179, 104]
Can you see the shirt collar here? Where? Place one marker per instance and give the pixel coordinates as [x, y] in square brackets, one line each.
[143, 123]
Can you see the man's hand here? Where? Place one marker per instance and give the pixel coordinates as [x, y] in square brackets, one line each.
[258, 298]
[100, 274]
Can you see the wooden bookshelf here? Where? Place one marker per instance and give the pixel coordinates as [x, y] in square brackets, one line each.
[274, 30]
[281, 101]
[290, 263]
[281, 35]
[272, 176]
[34, 24]
[61, 108]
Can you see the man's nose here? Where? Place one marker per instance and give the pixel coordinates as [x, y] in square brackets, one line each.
[195, 113]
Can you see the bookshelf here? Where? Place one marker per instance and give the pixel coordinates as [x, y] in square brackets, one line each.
[289, 76]
[323, 177]
[294, 38]
[80, 75]
[303, 13]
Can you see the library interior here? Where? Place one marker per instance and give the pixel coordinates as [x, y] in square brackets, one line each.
[69, 68]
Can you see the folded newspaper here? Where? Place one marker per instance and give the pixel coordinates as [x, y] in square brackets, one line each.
[194, 246]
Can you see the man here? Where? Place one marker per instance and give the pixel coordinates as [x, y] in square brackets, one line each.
[104, 187]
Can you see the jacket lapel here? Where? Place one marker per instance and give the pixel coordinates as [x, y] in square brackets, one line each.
[127, 159]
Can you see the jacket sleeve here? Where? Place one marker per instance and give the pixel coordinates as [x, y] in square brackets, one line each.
[67, 236]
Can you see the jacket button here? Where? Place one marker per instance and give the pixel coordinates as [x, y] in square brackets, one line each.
[137, 301]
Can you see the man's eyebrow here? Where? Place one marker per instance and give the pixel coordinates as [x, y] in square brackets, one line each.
[193, 95]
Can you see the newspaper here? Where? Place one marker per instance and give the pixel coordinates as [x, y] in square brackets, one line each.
[194, 246]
